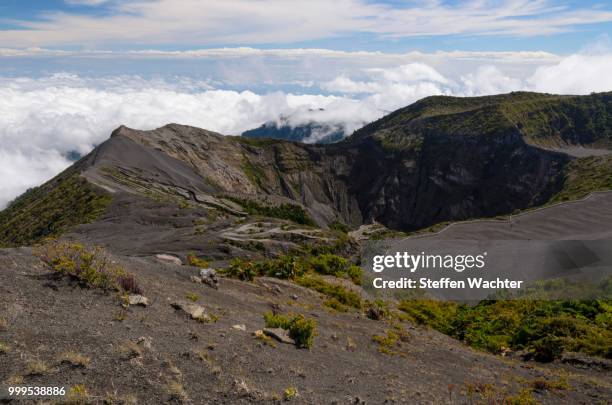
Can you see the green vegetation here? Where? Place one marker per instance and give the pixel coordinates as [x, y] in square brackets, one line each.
[286, 211]
[300, 329]
[256, 174]
[195, 261]
[292, 267]
[91, 266]
[290, 393]
[391, 342]
[50, 210]
[545, 329]
[335, 291]
[583, 176]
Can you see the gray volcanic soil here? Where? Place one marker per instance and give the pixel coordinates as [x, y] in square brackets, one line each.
[216, 363]
[587, 219]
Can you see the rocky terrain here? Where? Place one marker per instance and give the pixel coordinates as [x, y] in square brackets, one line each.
[281, 222]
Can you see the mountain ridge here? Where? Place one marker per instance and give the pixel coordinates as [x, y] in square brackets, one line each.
[439, 159]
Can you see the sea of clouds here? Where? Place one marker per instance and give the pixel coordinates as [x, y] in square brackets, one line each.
[44, 118]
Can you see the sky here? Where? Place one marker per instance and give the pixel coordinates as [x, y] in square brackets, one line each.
[73, 70]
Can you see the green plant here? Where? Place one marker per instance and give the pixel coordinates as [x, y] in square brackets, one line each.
[91, 266]
[342, 295]
[290, 393]
[245, 270]
[78, 394]
[195, 261]
[192, 297]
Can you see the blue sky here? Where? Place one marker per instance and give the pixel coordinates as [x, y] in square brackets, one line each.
[560, 27]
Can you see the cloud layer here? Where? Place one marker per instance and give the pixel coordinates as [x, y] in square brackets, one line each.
[196, 22]
[43, 119]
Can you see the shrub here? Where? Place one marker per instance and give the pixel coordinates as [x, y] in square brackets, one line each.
[192, 297]
[377, 310]
[544, 328]
[36, 367]
[91, 266]
[74, 359]
[329, 264]
[290, 393]
[195, 261]
[78, 394]
[300, 329]
[245, 270]
[355, 273]
[4, 348]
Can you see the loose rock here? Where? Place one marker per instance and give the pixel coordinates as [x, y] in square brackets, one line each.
[169, 258]
[279, 334]
[138, 300]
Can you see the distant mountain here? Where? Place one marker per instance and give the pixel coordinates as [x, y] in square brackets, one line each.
[440, 159]
[309, 132]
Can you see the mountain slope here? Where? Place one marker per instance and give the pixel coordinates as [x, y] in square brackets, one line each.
[440, 159]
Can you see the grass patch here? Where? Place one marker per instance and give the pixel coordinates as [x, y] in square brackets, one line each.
[91, 266]
[130, 350]
[4, 348]
[36, 367]
[583, 176]
[193, 297]
[391, 342]
[291, 212]
[51, 209]
[334, 291]
[300, 329]
[74, 359]
[78, 394]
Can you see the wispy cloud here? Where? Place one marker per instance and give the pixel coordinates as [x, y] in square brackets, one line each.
[194, 22]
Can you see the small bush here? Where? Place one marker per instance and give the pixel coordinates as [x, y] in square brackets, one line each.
[195, 261]
[130, 350]
[4, 348]
[377, 310]
[355, 273]
[335, 305]
[329, 264]
[74, 359]
[300, 329]
[78, 394]
[290, 393]
[91, 266]
[192, 297]
[36, 367]
[244, 270]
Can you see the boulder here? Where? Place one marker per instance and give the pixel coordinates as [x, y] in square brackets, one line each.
[138, 300]
[169, 258]
[193, 310]
[209, 277]
[279, 334]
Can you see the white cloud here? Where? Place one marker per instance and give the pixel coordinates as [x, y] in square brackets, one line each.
[42, 119]
[195, 22]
